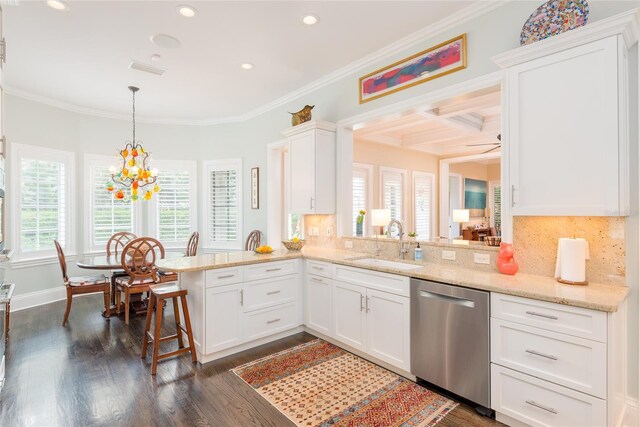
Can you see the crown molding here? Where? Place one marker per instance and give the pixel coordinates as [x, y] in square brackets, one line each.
[466, 14]
[624, 24]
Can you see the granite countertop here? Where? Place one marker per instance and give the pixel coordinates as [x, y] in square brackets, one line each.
[594, 296]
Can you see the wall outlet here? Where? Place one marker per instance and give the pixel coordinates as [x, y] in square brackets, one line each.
[329, 232]
[481, 258]
[449, 255]
[313, 231]
[348, 244]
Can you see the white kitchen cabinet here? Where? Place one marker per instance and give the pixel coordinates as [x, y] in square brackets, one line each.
[388, 328]
[565, 130]
[318, 307]
[223, 317]
[349, 315]
[312, 162]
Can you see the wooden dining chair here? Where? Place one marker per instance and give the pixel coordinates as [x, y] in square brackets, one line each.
[138, 260]
[118, 241]
[253, 240]
[82, 285]
[192, 246]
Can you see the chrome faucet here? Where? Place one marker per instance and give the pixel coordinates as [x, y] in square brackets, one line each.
[401, 249]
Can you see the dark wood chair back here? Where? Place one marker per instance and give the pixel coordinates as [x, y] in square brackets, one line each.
[253, 240]
[62, 260]
[192, 246]
[139, 258]
[118, 241]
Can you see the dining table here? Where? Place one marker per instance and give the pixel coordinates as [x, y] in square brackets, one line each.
[113, 263]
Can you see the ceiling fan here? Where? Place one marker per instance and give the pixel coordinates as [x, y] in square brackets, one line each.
[496, 145]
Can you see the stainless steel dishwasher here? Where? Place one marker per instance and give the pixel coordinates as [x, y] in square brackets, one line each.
[450, 339]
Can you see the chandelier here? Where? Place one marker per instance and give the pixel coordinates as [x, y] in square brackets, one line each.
[134, 175]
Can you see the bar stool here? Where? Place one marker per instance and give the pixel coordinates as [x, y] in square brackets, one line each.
[158, 294]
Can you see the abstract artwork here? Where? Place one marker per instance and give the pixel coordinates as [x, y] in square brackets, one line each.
[429, 64]
[553, 18]
[475, 194]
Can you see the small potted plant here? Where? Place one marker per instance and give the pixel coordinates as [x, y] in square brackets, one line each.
[360, 222]
[411, 235]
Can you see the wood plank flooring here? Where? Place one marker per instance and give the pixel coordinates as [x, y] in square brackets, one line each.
[90, 374]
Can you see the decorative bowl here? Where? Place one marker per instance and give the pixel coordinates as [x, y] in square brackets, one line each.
[293, 246]
[264, 252]
[492, 240]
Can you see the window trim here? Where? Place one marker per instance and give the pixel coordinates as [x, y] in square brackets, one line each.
[89, 161]
[367, 229]
[432, 217]
[17, 153]
[405, 199]
[207, 167]
[190, 166]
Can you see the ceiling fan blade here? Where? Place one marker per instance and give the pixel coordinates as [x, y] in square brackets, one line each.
[491, 149]
[486, 143]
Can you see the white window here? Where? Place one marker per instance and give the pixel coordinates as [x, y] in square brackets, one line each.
[392, 186]
[43, 203]
[104, 214]
[423, 204]
[495, 203]
[293, 223]
[223, 204]
[173, 211]
[362, 191]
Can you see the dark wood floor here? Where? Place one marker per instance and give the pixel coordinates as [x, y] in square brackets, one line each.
[90, 373]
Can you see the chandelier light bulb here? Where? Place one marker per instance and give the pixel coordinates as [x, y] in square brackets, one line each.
[112, 169]
[135, 170]
[154, 172]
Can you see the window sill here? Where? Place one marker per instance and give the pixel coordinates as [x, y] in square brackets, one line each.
[20, 263]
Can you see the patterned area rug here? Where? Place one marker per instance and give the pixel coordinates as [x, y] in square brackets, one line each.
[319, 384]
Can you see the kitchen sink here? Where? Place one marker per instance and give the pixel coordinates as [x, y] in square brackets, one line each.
[384, 263]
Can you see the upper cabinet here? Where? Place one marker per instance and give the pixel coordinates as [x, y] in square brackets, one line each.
[312, 160]
[566, 122]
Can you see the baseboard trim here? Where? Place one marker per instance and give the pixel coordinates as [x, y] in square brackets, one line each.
[37, 298]
[631, 416]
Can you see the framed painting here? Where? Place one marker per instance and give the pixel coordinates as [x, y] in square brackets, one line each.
[255, 188]
[437, 61]
[475, 196]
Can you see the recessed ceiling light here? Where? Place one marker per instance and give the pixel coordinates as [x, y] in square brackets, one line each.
[310, 19]
[166, 41]
[57, 5]
[246, 66]
[186, 10]
[155, 57]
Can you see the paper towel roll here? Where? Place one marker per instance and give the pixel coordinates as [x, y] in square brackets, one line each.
[571, 260]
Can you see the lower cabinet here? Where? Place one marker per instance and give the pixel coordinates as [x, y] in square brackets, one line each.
[318, 304]
[349, 318]
[223, 317]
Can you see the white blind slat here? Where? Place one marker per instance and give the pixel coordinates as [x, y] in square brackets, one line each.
[108, 215]
[174, 206]
[422, 193]
[223, 215]
[360, 183]
[393, 195]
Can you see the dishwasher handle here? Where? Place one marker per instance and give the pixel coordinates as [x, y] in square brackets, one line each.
[448, 299]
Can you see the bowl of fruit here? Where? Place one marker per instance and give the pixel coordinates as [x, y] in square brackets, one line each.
[264, 249]
[294, 244]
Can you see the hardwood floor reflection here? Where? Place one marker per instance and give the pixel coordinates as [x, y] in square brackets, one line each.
[90, 373]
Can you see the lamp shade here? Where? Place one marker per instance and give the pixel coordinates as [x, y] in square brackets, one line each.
[461, 215]
[380, 217]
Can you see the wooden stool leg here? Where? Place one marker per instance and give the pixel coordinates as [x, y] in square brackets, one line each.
[187, 323]
[7, 318]
[147, 327]
[66, 312]
[126, 307]
[156, 337]
[176, 314]
[107, 303]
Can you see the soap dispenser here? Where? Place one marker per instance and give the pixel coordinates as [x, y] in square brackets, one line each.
[417, 253]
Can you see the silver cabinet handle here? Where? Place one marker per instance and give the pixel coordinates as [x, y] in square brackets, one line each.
[513, 195]
[317, 268]
[361, 302]
[269, 270]
[316, 279]
[3, 55]
[273, 292]
[241, 296]
[546, 316]
[543, 407]
[368, 309]
[272, 321]
[311, 203]
[226, 276]
[536, 353]
[447, 298]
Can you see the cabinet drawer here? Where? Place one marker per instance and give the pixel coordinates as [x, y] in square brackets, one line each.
[385, 282]
[269, 292]
[223, 276]
[576, 321]
[269, 269]
[539, 403]
[318, 268]
[569, 361]
[261, 323]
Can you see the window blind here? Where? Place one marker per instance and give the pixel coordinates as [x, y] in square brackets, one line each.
[359, 195]
[173, 213]
[42, 204]
[392, 195]
[108, 215]
[422, 194]
[224, 209]
[497, 206]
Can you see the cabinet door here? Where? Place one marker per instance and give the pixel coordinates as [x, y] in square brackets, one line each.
[563, 132]
[302, 160]
[318, 304]
[224, 325]
[348, 314]
[388, 328]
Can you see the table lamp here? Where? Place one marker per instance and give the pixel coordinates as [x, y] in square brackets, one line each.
[379, 218]
[460, 216]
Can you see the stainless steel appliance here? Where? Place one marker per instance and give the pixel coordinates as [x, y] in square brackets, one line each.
[450, 339]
